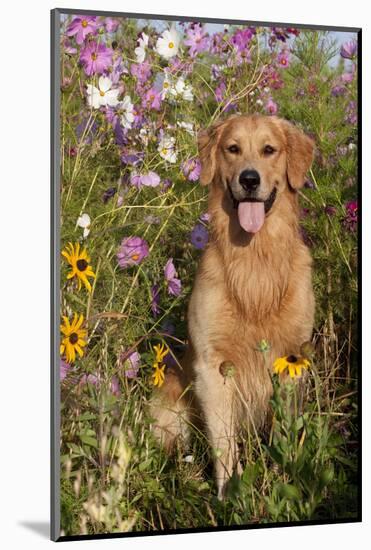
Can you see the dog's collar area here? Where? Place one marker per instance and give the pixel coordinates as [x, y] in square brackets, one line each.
[267, 204]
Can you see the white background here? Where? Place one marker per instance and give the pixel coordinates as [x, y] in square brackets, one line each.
[24, 275]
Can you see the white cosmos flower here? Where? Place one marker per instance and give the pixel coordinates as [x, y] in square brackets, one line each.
[84, 222]
[167, 44]
[187, 126]
[140, 51]
[181, 89]
[103, 95]
[166, 149]
[127, 117]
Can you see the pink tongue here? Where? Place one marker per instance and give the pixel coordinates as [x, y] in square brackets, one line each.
[251, 216]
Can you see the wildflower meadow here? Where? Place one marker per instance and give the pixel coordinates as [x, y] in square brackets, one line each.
[134, 223]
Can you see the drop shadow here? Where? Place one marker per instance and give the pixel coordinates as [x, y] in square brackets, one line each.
[42, 528]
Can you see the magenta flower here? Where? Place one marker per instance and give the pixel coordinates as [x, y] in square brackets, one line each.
[155, 294]
[351, 216]
[64, 368]
[199, 236]
[132, 251]
[283, 58]
[174, 285]
[196, 39]
[111, 24]
[271, 107]
[219, 92]
[95, 58]
[349, 50]
[150, 179]
[130, 363]
[81, 26]
[241, 39]
[192, 169]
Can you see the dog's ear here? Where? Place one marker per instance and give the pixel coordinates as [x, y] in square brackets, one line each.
[300, 152]
[207, 141]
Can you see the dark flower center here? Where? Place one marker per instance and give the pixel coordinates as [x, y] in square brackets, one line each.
[292, 359]
[73, 338]
[94, 56]
[81, 264]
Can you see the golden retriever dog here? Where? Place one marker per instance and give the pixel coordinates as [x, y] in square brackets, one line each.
[253, 283]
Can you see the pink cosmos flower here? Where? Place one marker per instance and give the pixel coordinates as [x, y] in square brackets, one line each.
[95, 58]
[81, 26]
[271, 107]
[142, 71]
[197, 39]
[192, 169]
[241, 38]
[283, 59]
[115, 386]
[150, 179]
[351, 217]
[64, 368]
[349, 50]
[132, 251]
[152, 99]
[131, 363]
[111, 24]
[174, 285]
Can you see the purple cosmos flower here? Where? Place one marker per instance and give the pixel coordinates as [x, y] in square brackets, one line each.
[111, 24]
[283, 58]
[81, 26]
[271, 107]
[199, 236]
[155, 294]
[132, 158]
[151, 179]
[142, 71]
[351, 113]
[115, 386]
[108, 194]
[196, 39]
[309, 184]
[220, 91]
[346, 78]
[118, 68]
[95, 58]
[130, 363]
[132, 251]
[338, 90]
[241, 39]
[174, 285]
[64, 368]
[192, 169]
[351, 217]
[349, 50]
[152, 99]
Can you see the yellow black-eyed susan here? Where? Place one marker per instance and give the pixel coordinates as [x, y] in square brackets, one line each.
[74, 337]
[159, 374]
[79, 262]
[293, 363]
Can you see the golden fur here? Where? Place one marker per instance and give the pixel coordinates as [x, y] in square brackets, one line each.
[248, 287]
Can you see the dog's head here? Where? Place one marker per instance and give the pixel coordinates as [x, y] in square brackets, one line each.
[255, 158]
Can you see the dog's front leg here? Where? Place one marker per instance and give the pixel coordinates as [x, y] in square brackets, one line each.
[216, 397]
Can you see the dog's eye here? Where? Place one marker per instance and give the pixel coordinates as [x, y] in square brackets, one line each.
[233, 149]
[269, 150]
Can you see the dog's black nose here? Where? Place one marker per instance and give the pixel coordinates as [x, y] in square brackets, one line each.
[250, 180]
